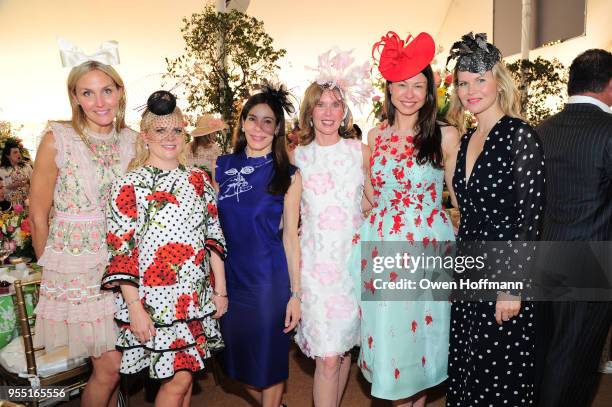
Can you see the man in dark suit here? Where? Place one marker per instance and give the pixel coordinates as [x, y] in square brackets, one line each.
[578, 163]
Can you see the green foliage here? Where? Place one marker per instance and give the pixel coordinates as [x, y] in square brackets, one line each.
[546, 81]
[218, 78]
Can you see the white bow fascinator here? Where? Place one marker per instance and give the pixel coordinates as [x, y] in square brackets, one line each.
[72, 55]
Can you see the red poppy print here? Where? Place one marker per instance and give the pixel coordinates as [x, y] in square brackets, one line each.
[195, 327]
[197, 180]
[396, 373]
[201, 345]
[185, 361]
[126, 237]
[195, 298]
[370, 340]
[124, 263]
[212, 210]
[423, 361]
[428, 319]
[413, 326]
[182, 305]
[199, 258]
[126, 201]
[161, 197]
[178, 343]
[393, 276]
[114, 241]
[174, 253]
[159, 274]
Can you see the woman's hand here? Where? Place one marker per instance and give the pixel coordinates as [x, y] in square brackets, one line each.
[141, 324]
[292, 314]
[221, 304]
[506, 307]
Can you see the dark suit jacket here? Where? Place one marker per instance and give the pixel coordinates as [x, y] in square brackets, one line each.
[578, 163]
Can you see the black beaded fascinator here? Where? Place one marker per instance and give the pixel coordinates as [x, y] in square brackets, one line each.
[474, 54]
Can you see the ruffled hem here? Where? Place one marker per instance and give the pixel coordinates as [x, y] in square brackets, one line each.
[63, 263]
[182, 346]
[83, 339]
[92, 311]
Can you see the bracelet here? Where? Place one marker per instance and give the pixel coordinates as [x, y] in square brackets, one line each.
[296, 294]
[134, 301]
[219, 294]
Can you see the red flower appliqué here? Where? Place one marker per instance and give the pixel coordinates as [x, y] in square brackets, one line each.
[126, 201]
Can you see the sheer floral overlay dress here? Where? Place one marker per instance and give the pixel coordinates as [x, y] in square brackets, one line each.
[332, 180]
[162, 226]
[404, 343]
[72, 310]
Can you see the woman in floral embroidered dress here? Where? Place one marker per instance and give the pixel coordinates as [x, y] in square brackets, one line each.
[162, 232]
[75, 165]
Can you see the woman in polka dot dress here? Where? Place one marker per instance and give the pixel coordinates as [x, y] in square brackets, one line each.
[162, 232]
[499, 184]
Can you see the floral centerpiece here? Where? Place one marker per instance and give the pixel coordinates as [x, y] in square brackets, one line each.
[15, 231]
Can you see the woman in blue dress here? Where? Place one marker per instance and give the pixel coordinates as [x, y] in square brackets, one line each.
[258, 203]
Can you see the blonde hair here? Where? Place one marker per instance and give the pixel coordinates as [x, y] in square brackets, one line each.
[141, 151]
[311, 98]
[79, 119]
[508, 97]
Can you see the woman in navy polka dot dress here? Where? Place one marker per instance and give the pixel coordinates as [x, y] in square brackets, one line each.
[163, 231]
[499, 183]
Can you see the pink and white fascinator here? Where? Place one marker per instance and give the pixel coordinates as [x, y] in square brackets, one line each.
[336, 70]
[72, 55]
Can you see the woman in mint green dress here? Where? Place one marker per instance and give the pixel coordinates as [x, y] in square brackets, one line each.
[404, 344]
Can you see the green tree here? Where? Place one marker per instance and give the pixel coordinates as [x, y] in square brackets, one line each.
[226, 55]
[547, 83]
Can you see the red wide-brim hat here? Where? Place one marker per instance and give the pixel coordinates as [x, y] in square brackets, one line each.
[400, 60]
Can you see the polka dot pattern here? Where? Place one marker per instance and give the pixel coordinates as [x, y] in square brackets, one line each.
[161, 229]
[502, 200]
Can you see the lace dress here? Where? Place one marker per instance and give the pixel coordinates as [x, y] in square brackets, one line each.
[71, 310]
[332, 180]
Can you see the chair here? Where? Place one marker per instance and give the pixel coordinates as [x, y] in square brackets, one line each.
[73, 374]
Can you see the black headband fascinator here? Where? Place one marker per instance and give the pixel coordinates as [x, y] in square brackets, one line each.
[161, 103]
[474, 54]
[277, 92]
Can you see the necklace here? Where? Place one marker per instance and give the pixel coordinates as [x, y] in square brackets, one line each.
[104, 152]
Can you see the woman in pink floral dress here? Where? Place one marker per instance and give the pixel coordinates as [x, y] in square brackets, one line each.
[333, 170]
[75, 165]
